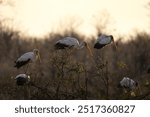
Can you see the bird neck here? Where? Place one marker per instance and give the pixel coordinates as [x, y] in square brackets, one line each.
[81, 45]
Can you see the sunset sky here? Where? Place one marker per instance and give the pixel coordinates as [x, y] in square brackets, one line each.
[39, 17]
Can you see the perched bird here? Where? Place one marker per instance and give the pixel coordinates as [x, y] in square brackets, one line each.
[103, 40]
[128, 83]
[130, 86]
[71, 42]
[27, 57]
[22, 79]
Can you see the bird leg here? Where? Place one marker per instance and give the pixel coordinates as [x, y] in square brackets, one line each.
[27, 68]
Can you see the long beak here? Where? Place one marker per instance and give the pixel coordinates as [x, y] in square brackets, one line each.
[115, 45]
[39, 58]
[90, 52]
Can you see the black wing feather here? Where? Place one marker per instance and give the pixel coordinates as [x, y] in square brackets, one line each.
[21, 63]
[99, 46]
[61, 46]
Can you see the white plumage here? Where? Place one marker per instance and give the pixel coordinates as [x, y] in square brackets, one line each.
[128, 83]
[71, 42]
[103, 40]
[22, 79]
[27, 57]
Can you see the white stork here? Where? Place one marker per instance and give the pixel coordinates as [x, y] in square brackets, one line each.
[130, 85]
[22, 79]
[27, 57]
[103, 40]
[71, 42]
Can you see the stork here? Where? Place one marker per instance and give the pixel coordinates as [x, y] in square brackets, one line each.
[71, 42]
[129, 85]
[103, 40]
[22, 79]
[27, 58]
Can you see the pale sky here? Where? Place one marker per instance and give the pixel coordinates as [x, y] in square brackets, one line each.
[39, 17]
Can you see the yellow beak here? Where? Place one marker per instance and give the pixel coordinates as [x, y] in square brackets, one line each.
[115, 44]
[90, 52]
[39, 57]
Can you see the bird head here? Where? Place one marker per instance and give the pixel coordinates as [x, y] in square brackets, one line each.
[112, 38]
[37, 53]
[100, 34]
